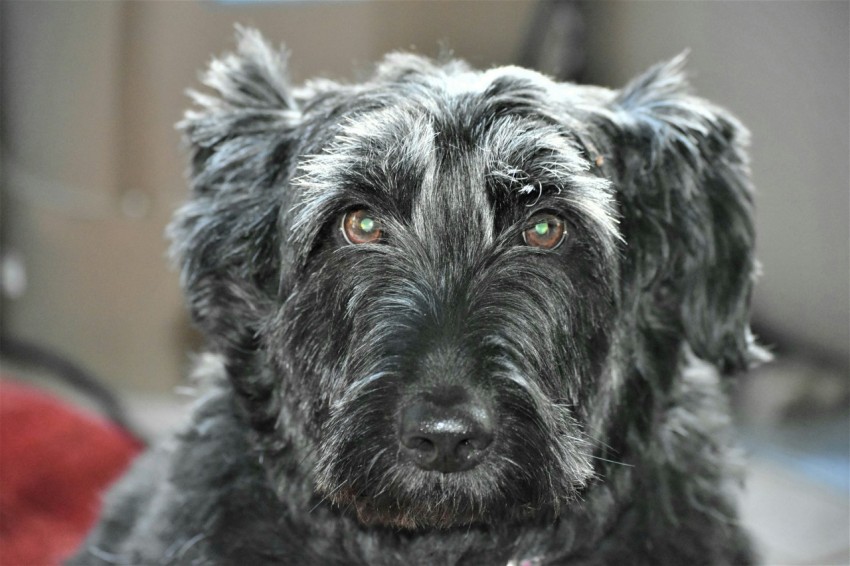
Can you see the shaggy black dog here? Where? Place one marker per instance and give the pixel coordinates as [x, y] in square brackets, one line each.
[464, 318]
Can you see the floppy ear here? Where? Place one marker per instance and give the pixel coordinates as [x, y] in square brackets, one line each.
[225, 239]
[687, 209]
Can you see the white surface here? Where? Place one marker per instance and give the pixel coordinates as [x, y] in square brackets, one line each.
[795, 520]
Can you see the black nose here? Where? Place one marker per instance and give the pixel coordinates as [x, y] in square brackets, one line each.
[445, 436]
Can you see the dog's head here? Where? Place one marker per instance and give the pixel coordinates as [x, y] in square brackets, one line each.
[437, 283]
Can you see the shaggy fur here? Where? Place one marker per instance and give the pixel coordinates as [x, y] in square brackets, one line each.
[601, 362]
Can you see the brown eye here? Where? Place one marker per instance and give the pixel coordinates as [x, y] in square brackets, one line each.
[544, 231]
[360, 227]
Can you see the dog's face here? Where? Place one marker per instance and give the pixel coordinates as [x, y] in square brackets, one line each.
[454, 302]
[439, 284]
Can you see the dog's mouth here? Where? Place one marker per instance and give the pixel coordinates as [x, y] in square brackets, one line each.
[393, 492]
[405, 516]
[444, 502]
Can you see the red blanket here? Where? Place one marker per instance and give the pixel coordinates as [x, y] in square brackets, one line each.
[55, 461]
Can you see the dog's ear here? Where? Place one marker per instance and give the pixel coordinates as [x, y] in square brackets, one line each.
[241, 137]
[686, 199]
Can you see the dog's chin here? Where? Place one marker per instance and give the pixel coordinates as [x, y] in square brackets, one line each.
[420, 500]
[426, 514]
[406, 516]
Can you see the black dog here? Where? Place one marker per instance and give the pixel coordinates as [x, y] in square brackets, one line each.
[465, 318]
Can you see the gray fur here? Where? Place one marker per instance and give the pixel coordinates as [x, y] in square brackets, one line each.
[605, 358]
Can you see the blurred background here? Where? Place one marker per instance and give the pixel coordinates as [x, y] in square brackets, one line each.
[92, 169]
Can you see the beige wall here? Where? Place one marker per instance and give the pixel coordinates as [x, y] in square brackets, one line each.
[91, 161]
[92, 168]
[784, 69]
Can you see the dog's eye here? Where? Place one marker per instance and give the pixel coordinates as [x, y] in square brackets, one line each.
[545, 231]
[360, 227]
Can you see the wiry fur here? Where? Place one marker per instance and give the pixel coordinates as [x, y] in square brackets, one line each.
[605, 358]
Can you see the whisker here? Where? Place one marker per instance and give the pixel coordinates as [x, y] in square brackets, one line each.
[612, 461]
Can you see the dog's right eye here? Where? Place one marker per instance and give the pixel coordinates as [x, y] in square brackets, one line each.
[545, 231]
[360, 227]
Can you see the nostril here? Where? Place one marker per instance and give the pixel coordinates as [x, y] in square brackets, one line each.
[421, 450]
[468, 447]
[419, 444]
[465, 449]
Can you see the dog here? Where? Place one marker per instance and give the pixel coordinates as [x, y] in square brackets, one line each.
[462, 317]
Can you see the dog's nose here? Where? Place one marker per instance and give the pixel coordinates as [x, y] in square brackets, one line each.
[446, 437]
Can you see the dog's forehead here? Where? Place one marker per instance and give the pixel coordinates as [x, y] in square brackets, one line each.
[442, 147]
[398, 136]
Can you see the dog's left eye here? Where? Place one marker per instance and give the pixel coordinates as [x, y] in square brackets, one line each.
[360, 227]
[545, 231]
